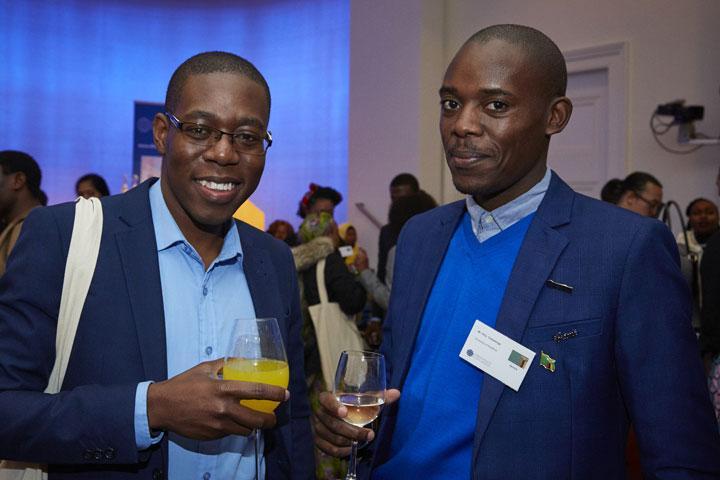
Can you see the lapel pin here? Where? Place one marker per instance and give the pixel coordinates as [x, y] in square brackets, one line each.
[547, 362]
[559, 286]
[560, 336]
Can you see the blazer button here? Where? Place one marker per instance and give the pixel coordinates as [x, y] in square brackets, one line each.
[109, 453]
[157, 474]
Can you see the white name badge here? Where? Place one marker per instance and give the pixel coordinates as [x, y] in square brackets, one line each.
[345, 251]
[497, 355]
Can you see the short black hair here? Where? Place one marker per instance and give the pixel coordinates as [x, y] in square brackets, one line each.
[14, 161]
[612, 191]
[406, 179]
[211, 62]
[544, 54]
[637, 181]
[98, 182]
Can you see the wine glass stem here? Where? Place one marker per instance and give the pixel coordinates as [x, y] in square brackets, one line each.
[257, 454]
[352, 464]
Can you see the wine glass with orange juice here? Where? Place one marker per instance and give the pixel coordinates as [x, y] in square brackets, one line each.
[257, 354]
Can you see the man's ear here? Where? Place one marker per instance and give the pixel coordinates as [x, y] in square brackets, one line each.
[160, 131]
[560, 111]
[19, 180]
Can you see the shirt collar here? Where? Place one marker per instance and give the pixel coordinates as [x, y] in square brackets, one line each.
[513, 211]
[167, 232]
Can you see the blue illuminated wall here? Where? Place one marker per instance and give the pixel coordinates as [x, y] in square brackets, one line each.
[70, 72]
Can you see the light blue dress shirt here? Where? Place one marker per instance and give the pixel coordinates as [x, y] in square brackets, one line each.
[199, 308]
[487, 224]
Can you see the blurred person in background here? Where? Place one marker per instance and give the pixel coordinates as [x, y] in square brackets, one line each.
[20, 178]
[702, 223]
[282, 230]
[401, 185]
[91, 185]
[642, 193]
[402, 210]
[348, 238]
[341, 288]
[612, 191]
[319, 199]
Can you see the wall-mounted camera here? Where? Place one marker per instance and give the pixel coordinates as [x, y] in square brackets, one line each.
[683, 116]
[680, 112]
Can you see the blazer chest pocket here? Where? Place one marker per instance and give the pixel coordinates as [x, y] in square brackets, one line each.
[564, 332]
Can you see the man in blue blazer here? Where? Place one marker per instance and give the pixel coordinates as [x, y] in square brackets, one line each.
[141, 397]
[594, 291]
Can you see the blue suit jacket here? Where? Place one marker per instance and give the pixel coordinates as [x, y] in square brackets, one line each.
[634, 358]
[120, 341]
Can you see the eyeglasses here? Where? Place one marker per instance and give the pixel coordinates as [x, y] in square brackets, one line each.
[654, 205]
[243, 141]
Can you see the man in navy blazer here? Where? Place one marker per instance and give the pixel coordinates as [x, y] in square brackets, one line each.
[594, 291]
[90, 429]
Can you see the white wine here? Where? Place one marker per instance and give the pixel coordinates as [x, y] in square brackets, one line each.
[362, 408]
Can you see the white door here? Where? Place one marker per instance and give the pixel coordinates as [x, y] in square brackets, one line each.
[580, 153]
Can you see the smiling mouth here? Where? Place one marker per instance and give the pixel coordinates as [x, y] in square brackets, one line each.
[218, 186]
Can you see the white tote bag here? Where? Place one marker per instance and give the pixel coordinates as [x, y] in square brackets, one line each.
[335, 331]
[79, 269]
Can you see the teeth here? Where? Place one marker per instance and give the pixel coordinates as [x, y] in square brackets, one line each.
[223, 187]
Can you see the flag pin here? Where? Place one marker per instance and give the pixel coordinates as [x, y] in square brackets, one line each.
[547, 362]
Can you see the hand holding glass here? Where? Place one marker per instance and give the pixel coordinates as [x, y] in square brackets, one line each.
[256, 354]
[360, 387]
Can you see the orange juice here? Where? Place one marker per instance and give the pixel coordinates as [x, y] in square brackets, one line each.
[259, 370]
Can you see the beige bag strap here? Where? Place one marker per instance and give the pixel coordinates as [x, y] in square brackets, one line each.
[79, 269]
[320, 277]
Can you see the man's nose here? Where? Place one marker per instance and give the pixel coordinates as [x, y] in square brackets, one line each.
[469, 122]
[222, 151]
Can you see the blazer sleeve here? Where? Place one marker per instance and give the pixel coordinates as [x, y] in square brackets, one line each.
[88, 424]
[658, 364]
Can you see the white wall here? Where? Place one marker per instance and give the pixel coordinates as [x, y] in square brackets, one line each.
[400, 49]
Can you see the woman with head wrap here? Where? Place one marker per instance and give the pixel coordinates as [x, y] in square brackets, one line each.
[319, 199]
[348, 236]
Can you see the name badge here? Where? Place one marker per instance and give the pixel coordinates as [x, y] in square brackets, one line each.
[345, 251]
[497, 355]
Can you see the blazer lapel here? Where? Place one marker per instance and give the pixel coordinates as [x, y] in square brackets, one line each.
[424, 273]
[537, 257]
[138, 254]
[260, 277]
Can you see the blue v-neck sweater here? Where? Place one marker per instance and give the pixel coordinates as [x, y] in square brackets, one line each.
[433, 437]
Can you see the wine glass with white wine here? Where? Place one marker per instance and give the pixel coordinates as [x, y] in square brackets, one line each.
[360, 387]
[256, 354]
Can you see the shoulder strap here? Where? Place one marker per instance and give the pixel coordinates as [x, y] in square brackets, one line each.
[320, 277]
[79, 269]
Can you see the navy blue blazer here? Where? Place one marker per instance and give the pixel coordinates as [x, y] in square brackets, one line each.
[120, 341]
[634, 357]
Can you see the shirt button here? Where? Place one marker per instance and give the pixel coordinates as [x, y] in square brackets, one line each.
[208, 351]
[206, 476]
[205, 290]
